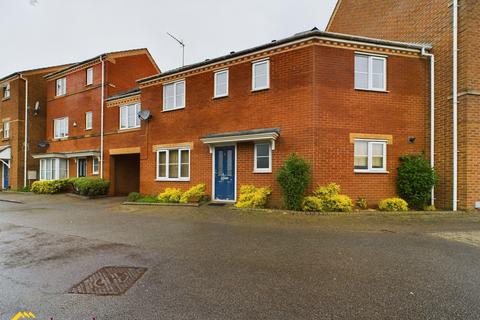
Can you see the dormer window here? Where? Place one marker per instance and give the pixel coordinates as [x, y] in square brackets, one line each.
[61, 87]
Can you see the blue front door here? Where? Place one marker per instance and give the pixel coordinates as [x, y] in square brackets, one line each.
[225, 173]
[5, 176]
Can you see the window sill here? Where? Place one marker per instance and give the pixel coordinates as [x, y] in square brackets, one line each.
[173, 180]
[60, 139]
[88, 129]
[372, 90]
[129, 130]
[262, 171]
[220, 97]
[5, 139]
[370, 172]
[60, 96]
[5, 99]
[176, 109]
[260, 89]
[95, 174]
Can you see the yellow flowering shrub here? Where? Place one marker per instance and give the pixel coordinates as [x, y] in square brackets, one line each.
[393, 204]
[253, 197]
[194, 195]
[170, 195]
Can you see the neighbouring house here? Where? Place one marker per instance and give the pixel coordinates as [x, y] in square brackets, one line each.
[23, 96]
[432, 21]
[350, 105]
[82, 132]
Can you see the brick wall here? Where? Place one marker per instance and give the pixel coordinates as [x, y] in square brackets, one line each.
[431, 21]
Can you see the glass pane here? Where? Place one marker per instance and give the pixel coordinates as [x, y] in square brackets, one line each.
[173, 164]
[123, 117]
[377, 149]
[184, 171]
[229, 163]
[180, 94]
[162, 157]
[221, 83]
[260, 75]
[220, 163]
[377, 81]
[63, 169]
[162, 170]
[137, 119]
[361, 148]
[169, 96]
[184, 156]
[361, 162]
[263, 163]
[263, 150]
[361, 80]
[377, 65]
[361, 64]
[131, 116]
[377, 162]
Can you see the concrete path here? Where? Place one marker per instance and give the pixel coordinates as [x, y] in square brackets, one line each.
[220, 263]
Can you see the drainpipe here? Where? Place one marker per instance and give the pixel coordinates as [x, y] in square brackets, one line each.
[25, 143]
[455, 102]
[432, 114]
[101, 116]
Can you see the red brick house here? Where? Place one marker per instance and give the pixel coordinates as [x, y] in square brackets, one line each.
[22, 96]
[351, 106]
[79, 124]
[456, 134]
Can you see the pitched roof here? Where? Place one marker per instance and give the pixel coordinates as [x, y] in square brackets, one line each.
[298, 36]
[36, 70]
[103, 55]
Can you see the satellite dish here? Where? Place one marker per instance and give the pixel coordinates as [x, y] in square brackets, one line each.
[37, 106]
[43, 144]
[144, 115]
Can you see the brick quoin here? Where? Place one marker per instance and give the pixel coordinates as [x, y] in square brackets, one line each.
[430, 21]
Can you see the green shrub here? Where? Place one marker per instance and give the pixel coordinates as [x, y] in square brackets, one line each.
[90, 186]
[148, 199]
[361, 203]
[332, 189]
[195, 194]
[312, 204]
[294, 177]
[133, 196]
[337, 203]
[252, 197]
[24, 189]
[170, 195]
[393, 204]
[415, 180]
[49, 186]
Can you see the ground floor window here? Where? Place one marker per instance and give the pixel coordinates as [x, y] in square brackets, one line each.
[173, 164]
[370, 156]
[95, 165]
[53, 169]
[263, 157]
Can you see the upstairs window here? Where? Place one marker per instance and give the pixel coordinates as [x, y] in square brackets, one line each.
[88, 120]
[261, 75]
[6, 91]
[89, 76]
[6, 129]
[173, 164]
[370, 72]
[370, 156]
[174, 95]
[221, 84]
[60, 128]
[61, 86]
[129, 116]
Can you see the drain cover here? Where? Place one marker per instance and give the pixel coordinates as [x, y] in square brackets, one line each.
[109, 281]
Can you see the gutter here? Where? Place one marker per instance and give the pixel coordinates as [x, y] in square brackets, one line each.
[432, 115]
[25, 143]
[455, 105]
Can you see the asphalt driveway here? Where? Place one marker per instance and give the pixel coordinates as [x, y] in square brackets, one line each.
[220, 263]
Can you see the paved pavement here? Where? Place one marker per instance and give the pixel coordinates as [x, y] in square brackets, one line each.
[220, 263]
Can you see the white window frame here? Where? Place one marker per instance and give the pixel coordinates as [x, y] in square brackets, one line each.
[6, 91]
[262, 170]
[167, 164]
[215, 75]
[254, 64]
[89, 76]
[175, 84]
[56, 135]
[95, 168]
[61, 87]
[125, 108]
[54, 164]
[88, 120]
[6, 129]
[370, 168]
[371, 57]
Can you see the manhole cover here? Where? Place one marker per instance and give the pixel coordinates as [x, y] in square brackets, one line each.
[109, 281]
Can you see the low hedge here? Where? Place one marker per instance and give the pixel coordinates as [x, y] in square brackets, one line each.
[170, 195]
[49, 186]
[253, 197]
[393, 204]
[90, 186]
[195, 194]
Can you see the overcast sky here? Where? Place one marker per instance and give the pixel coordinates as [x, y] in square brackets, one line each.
[39, 33]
